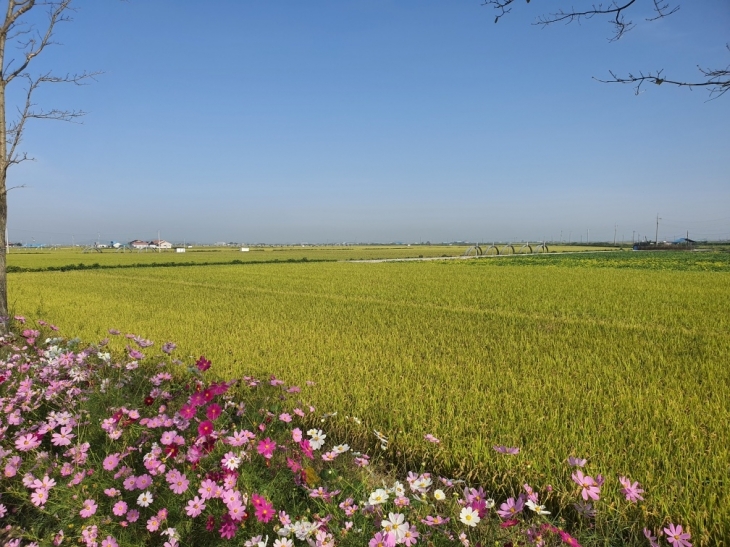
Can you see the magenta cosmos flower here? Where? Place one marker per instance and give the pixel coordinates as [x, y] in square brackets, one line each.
[266, 448]
[203, 364]
[265, 511]
[213, 411]
[205, 428]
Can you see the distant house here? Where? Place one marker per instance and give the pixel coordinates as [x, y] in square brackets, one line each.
[139, 244]
[160, 244]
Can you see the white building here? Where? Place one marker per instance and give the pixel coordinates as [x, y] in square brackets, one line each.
[160, 244]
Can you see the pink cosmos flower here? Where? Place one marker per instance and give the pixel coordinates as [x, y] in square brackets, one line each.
[284, 417]
[63, 438]
[296, 435]
[203, 364]
[120, 508]
[511, 507]
[651, 538]
[506, 449]
[567, 539]
[676, 536]
[430, 438]
[410, 536]
[265, 511]
[130, 483]
[27, 442]
[195, 507]
[180, 485]
[168, 437]
[207, 489]
[133, 515]
[438, 520]
[197, 399]
[143, 482]
[382, 539]
[236, 511]
[39, 497]
[590, 487]
[111, 462]
[88, 509]
[632, 491]
[109, 542]
[266, 448]
[306, 449]
[188, 411]
[153, 524]
[46, 483]
[576, 462]
[239, 438]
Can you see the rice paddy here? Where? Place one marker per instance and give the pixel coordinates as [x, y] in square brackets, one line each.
[620, 358]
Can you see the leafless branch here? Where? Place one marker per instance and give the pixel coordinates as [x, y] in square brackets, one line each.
[616, 11]
[33, 46]
[30, 110]
[717, 81]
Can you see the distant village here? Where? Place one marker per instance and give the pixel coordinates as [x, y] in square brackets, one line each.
[154, 244]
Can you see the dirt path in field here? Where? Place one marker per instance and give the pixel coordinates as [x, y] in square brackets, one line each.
[461, 257]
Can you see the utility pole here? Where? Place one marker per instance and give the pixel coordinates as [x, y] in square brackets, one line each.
[656, 236]
[570, 233]
[633, 232]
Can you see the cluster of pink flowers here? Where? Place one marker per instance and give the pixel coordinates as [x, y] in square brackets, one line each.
[182, 450]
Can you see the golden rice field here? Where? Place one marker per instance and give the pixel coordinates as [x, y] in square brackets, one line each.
[54, 258]
[621, 358]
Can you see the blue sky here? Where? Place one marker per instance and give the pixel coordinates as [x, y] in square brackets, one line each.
[377, 120]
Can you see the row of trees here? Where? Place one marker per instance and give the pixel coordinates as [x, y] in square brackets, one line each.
[28, 40]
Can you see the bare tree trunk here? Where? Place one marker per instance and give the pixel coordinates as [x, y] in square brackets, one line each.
[3, 193]
[31, 44]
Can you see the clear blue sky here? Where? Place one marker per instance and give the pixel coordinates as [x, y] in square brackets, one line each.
[373, 120]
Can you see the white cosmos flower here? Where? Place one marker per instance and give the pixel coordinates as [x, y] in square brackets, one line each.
[469, 516]
[232, 462]
[341, 448]
[399, 489]
[378, 497]
[439, 495]
[539, 509]
[397, 524]
[422, 484]
[316, 438]
[144, 499]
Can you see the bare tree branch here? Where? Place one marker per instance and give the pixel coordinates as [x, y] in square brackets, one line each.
[29, 43]
[717, 81]
[34, 46]
[31, 111]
